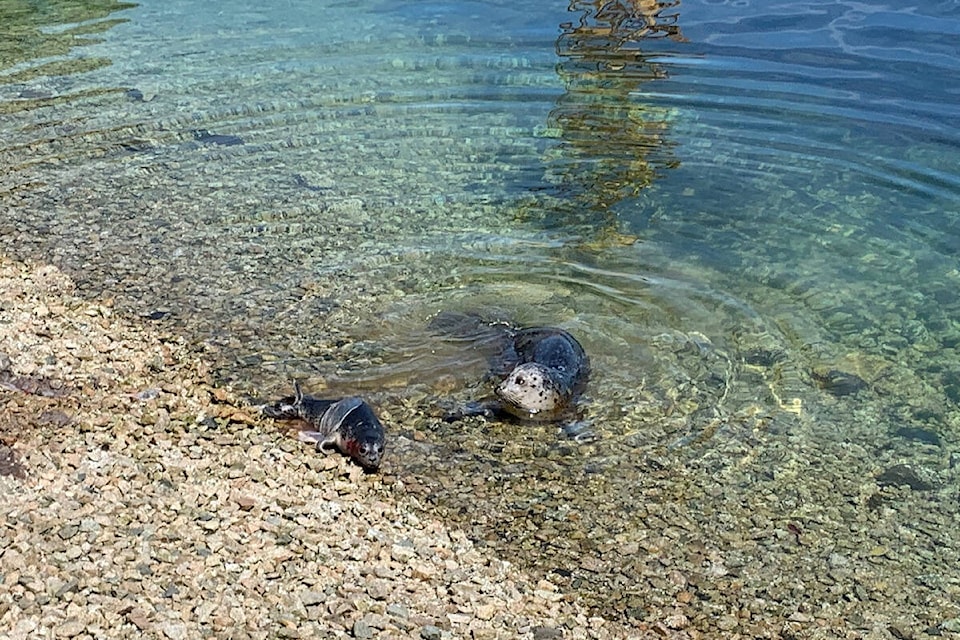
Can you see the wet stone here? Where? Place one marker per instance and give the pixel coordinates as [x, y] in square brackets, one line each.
[430, 632]
[918, 434]
[838, 383]
[546, 633]
[951, 626]
[760, 357]
[951, 385]
[727, 623]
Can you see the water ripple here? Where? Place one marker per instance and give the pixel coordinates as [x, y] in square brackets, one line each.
[733, 204]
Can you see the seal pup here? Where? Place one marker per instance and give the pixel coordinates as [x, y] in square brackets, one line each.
[347, 425]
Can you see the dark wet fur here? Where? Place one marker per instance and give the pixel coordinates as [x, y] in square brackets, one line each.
[305, 408]
[348, 425]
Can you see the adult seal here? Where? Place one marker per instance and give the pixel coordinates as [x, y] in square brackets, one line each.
[549, 371]
[347, 425]
[540, 371]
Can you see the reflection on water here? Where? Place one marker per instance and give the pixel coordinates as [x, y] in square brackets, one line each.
[611, 145]
[756, 244]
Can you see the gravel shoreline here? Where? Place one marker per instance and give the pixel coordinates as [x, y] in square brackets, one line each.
[140, 500]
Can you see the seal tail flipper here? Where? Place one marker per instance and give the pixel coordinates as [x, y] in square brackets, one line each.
[285, 409]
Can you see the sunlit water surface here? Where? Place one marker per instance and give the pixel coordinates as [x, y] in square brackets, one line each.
[748, 212]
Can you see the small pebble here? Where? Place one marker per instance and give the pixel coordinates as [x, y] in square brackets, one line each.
[310, 598]
[430, 632]
[174, 630]
[68, 531]
[70, 628]
[398, 611]
[546, 633]
[727, 623]
[361, 629]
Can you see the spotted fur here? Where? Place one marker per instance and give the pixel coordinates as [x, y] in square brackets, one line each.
[549, 370]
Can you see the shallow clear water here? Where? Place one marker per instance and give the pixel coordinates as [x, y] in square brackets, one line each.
[731, 204]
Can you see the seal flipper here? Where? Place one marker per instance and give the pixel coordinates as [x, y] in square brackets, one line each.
[485, 408]
[580, 431]
[325, 443]
[287, 408]
[282, 410]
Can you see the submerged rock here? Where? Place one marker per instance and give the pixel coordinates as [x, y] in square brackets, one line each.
[918, 434]
[838, 383]
[901, 474]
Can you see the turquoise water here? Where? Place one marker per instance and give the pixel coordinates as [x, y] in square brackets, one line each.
[748, 212]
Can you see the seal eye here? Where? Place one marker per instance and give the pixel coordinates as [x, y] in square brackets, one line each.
[520, 380]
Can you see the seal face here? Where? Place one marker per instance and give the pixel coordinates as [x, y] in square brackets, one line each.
[347, 425]
[532, 391]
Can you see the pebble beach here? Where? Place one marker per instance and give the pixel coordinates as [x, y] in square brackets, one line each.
[752, 230]
[139, 500]
[142, 500]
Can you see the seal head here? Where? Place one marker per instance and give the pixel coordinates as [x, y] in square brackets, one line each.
[534, 392]
[367, 450]
[354, 429]
[549, 370]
